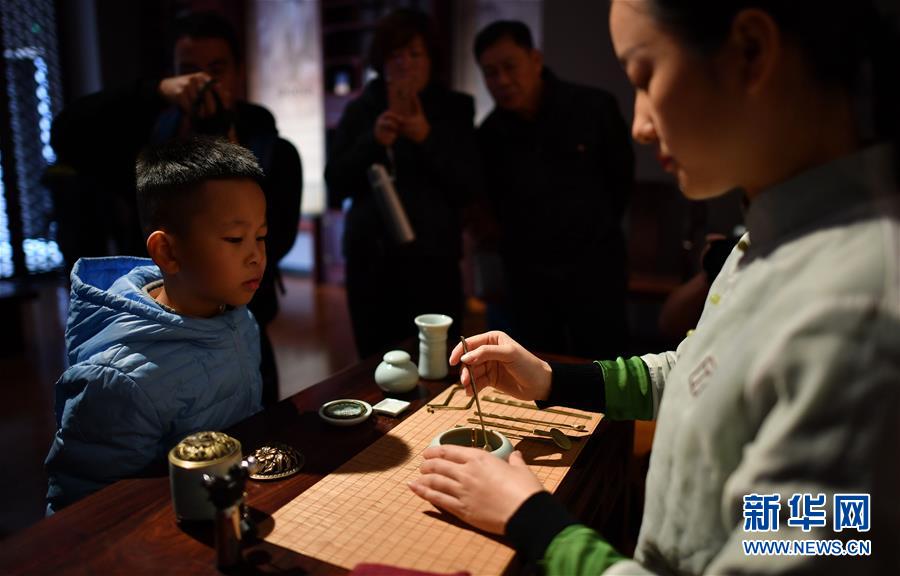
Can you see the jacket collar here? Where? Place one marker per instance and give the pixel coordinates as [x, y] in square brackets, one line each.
[852, 187]
[549, 96]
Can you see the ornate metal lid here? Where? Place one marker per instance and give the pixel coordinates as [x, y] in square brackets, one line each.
[205, 447]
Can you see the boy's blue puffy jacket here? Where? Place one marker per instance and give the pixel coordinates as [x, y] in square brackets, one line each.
[141, 378]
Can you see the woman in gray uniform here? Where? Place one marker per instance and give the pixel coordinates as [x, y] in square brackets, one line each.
[777, 417]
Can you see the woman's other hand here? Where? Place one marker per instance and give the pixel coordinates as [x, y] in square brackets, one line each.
[475, 486]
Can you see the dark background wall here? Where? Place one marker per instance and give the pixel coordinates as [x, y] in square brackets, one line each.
[578, 47]
[110, 43]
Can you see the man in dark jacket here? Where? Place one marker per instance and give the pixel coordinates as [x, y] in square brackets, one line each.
[97, 139]
[559, 168]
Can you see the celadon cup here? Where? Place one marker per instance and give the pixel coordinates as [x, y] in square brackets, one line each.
[501, 445]
[433, 361]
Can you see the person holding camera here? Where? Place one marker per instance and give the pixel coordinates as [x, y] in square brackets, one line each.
[97, 139]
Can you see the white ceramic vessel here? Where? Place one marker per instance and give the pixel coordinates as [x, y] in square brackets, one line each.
[397, 373]
[433, 345]
[501, 445]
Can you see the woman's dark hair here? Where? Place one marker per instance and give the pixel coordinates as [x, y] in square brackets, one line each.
[398, 29]
[840, 39]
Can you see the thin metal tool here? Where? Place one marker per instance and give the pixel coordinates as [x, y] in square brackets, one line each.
[446, 402]
[445, 405]
[579, 427]
[475, 394]
[507, 434]
[559, 438]
[533, 407]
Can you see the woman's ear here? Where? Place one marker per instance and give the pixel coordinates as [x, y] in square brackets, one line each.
[162, 249]
[757, 46]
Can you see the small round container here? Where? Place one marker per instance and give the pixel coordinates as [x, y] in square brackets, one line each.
[397, 373]
[212, 453]
[501, 445]
[345, 412]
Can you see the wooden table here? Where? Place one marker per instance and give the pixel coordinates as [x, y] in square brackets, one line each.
[130, 526]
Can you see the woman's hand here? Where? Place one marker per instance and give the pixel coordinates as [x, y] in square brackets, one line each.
[415, 126]
[387, 128]
[475, 486]
[499, 361]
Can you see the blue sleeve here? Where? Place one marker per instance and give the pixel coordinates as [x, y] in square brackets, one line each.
[107, 430]
[250, 333]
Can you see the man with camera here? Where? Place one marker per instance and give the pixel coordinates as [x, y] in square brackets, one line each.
[97, 139]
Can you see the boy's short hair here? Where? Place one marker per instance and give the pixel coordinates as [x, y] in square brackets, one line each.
[169, 176]
[207, 25]
[515, 30]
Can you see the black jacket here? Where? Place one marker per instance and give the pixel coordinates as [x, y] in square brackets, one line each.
[434, 179]
[558, 184]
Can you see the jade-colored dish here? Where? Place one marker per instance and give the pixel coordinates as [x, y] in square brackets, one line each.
[500, 444]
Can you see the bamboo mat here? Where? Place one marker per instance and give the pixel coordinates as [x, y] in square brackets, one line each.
[365, 512]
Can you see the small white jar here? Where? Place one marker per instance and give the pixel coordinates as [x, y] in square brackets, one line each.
[397, 373]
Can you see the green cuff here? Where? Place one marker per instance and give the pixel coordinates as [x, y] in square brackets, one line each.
[579, 550]
[629, 395]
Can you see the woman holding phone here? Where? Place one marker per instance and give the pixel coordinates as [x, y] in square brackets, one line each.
[423, 134]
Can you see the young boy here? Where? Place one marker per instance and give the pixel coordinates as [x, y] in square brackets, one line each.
[159, 352]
